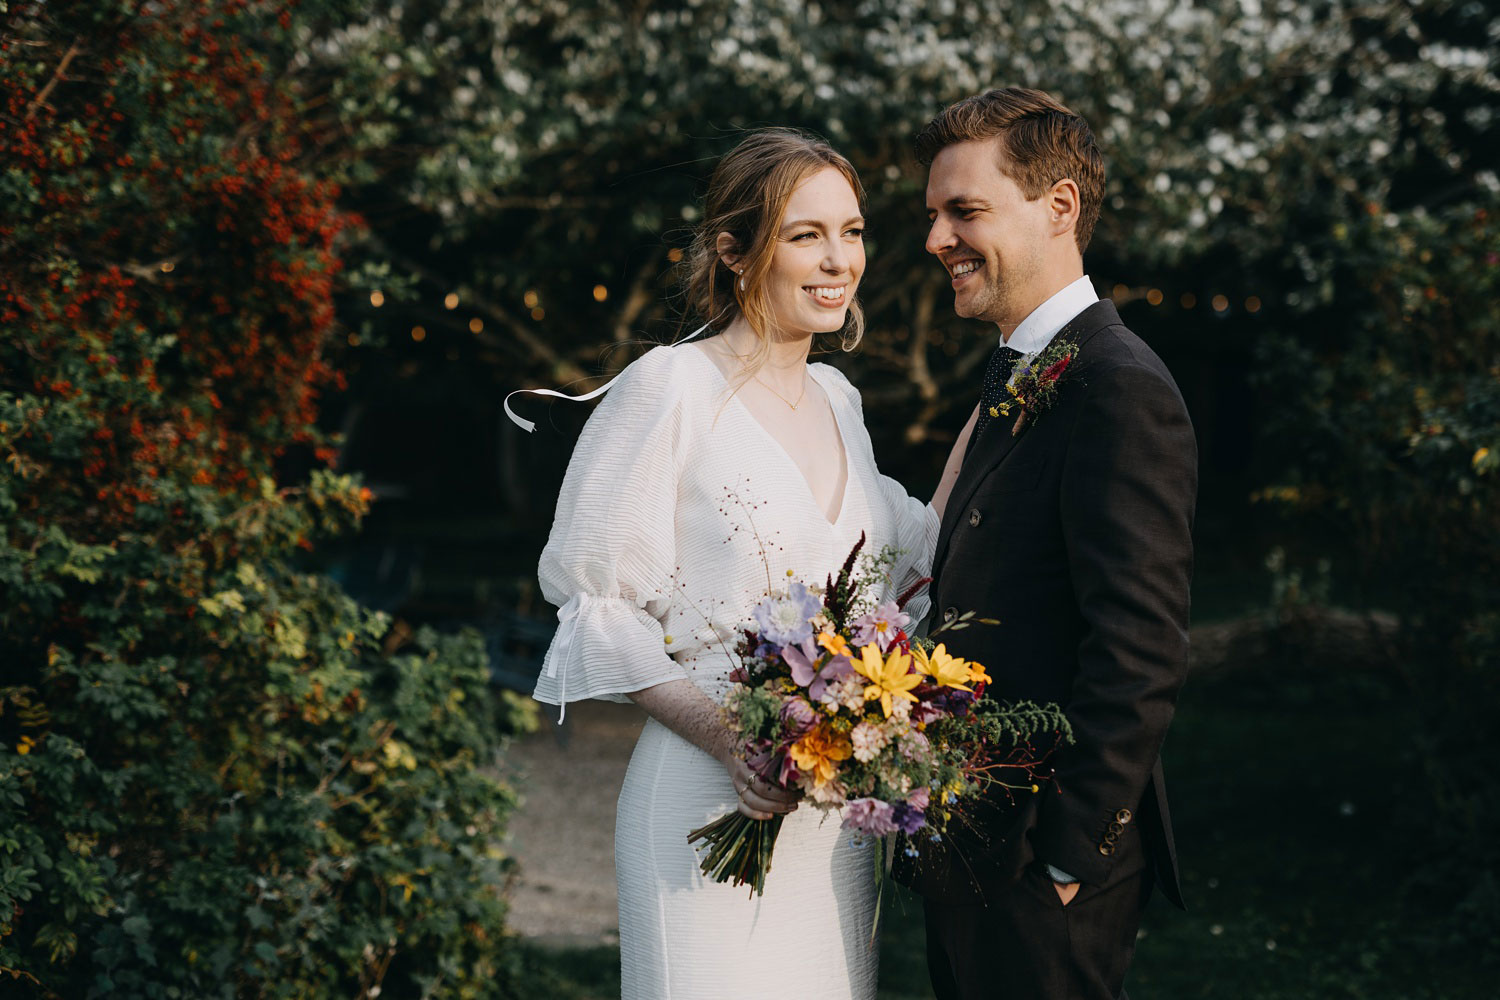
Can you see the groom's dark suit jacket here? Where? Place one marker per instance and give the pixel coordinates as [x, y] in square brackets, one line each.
[1076, 535]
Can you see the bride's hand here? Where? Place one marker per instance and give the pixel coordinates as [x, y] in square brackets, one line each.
[759, 798]
[682, 707]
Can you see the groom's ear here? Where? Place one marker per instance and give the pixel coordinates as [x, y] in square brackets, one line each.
[1063, 206]
[728, 249]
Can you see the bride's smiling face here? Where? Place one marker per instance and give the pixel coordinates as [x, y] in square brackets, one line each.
[818, 256]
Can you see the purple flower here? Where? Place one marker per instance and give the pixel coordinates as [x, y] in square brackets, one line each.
[797, 717]
[788, 775]
[880, 626]
[803, 659]
[925, 711]
[770, 764]
[906, 819]
[869, 816]
[914, 743]
[785, 620]
[953, 701]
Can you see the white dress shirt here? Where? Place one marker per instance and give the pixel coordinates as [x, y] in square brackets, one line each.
[1036, 331]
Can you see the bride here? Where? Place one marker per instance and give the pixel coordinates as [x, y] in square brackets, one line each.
[711, 469]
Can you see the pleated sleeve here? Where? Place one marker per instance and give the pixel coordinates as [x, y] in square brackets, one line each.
[915, 523]
[916, 537]
[609, 561]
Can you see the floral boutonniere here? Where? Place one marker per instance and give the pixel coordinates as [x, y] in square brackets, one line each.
[1034, 386]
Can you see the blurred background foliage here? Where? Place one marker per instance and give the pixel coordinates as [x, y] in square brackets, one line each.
[219, 774]
[246, 203]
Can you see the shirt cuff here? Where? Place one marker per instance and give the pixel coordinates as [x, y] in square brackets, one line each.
[1059, 876]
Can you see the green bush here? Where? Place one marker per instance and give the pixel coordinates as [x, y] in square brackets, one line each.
[1388, 414]
[219, 775]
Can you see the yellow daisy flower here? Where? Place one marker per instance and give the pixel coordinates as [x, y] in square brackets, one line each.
[889, 678]
[944, 669]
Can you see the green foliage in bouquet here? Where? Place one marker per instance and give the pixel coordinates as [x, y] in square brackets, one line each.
[219, 775]
[832, 698]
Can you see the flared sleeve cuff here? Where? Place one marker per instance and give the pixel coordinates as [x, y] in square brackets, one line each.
[605, 648]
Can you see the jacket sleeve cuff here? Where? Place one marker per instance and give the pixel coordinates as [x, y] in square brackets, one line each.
[1082, 847]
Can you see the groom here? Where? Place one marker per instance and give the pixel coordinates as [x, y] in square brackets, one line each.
[1071, 522]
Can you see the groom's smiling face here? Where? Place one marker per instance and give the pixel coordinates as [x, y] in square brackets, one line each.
[988, 236]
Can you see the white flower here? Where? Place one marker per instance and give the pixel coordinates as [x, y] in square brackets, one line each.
[831, 793]
[847, 692]
[868, 741]
[852, 694]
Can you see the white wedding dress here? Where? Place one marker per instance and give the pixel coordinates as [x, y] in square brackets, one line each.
[677, 511]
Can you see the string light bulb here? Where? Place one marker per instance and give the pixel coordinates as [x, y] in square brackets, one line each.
[1154, 296]
[600, 293]
[476, 324]
[450, 301]
[1221, 303]
[531, 298]
[418, 334]
[377, 298]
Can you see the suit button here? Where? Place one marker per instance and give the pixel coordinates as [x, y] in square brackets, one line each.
[949, 614]
[1106, 849]
[1117, 828]
[1110, 837]
[975, 517]
[1123, 816]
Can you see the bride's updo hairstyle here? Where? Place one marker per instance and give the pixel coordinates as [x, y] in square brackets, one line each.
[747, 197]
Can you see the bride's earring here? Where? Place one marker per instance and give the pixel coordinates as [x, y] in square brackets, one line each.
[742, 279]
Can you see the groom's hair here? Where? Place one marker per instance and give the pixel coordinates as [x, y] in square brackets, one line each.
[1042, 141]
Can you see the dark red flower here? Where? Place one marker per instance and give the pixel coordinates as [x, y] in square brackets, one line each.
[1054, 371]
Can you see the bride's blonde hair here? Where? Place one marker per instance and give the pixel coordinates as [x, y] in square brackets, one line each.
[747, 196]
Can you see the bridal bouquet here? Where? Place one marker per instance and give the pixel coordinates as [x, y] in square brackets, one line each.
[833, 697]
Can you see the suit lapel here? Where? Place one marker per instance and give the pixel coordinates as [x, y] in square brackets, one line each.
[989, 451]
[997, 442]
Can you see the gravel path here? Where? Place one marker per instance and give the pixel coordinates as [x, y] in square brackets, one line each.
[563, 834]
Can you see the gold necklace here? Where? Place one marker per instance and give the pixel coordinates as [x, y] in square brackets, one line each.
[779, 396]
[741, 357]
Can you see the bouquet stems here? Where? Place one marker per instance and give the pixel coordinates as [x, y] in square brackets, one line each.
[737, 849]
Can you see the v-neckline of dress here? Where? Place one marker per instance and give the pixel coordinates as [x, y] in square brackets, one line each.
[838, 425]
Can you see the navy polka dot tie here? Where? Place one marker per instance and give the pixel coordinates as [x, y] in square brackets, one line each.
[996, 374]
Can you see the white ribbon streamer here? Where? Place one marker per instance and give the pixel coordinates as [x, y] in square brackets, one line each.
[528, 425]
[562, 648]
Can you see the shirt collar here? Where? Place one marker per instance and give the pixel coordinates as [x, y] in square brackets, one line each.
[1037, 329]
